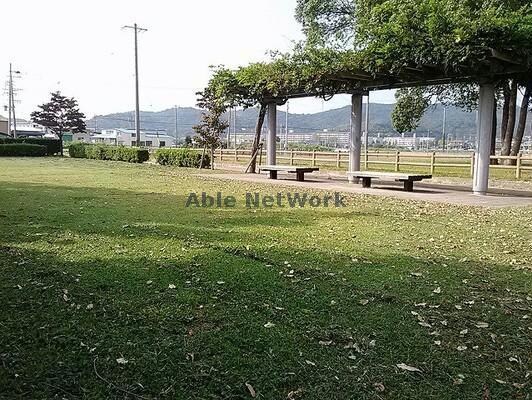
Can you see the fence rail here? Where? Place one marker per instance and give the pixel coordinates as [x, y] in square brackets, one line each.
[396, 160]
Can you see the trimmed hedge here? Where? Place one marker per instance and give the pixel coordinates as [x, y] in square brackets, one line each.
[22, 150]
[182, 158]
[105, 152]
[53, 146]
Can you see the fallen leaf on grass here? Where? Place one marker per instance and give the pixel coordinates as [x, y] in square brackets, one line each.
[363, 302]
[379, 387]
[295, 394]
[171, 286]
[461, 348]
[121, 360]
[251, 390]
[405, 367]
[269, 325]
[437, 290]
[482, 325]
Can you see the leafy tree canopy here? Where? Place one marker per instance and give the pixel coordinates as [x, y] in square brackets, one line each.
[390, 37]
[61, 114]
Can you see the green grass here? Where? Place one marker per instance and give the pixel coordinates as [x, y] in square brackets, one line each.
[88, 250]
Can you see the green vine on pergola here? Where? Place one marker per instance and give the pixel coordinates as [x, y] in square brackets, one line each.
[324, 73]
[397, 44]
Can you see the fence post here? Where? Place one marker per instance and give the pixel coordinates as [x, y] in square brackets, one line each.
[472, 164]
[366, 159]
[518, 166]
[432, 162]
[291, 157]
[221, 155]
[397, 161]
[338, 159]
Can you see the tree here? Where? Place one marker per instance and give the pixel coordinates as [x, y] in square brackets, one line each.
[60, 115]
[410, 107]
[393, 40]
[326, 22]
[512, 127]
[188, 141]
[459, 35]
[211, 125]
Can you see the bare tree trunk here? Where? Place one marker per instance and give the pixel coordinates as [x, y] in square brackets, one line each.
[60, 136]
[212, 158]
[509, 135]
[505, 110]
[518, 139]
[203, 157]
[494, 135]
[256, 141]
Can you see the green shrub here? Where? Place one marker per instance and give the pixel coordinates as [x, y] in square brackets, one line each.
[77, 150]
[105, 152]
[181, 158]
[22, 150]
[53, 146]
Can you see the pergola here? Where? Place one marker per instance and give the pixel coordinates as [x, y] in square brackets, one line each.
[487, 73]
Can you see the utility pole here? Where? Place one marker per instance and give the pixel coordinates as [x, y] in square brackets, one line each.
[229, 128]
[286, 125]
[13, 111]
[366, 138]
[444, 135]
[136, 29]
[176, 120]
[12, 118]
[234, 122]
[9, 96]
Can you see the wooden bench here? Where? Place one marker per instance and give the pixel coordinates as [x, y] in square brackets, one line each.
[299, 171]
[407, 179]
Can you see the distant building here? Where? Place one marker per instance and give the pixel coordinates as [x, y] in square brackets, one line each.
[4, 130]
[127, 137]
[412, 143]
[29, 129]
[77, 137]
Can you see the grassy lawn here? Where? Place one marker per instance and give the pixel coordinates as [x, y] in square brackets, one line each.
[111, 288]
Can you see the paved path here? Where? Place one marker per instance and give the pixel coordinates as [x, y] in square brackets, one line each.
[459, 195]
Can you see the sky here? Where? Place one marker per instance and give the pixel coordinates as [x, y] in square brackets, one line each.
[80, 49]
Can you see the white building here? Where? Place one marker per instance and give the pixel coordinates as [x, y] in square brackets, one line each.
[127, 137]
[412, 143]
[28, 129]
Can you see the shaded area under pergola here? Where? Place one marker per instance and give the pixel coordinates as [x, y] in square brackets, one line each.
[495, 67]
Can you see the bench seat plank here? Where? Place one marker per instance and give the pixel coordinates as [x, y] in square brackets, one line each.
[299, 171]
[407, 179]
[389, 175]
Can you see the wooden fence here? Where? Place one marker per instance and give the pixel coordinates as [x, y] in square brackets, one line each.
[393, 160]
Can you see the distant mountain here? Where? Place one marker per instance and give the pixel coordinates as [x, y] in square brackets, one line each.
[459, 122]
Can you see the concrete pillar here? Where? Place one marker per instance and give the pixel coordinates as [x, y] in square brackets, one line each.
[484, 133]
[355, 136]
[272, 135]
